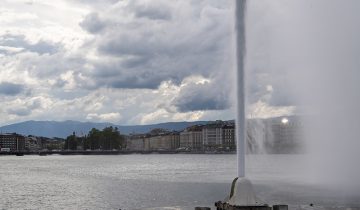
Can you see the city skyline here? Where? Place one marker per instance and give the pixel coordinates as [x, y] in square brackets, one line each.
[263, 136]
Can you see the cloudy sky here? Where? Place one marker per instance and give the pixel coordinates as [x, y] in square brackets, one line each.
[134, 61]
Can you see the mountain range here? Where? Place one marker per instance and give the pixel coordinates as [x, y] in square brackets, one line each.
[65, 128]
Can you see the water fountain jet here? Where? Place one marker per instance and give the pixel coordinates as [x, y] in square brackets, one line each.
[242, 194]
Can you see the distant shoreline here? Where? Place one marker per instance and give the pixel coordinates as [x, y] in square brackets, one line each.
[121, 152]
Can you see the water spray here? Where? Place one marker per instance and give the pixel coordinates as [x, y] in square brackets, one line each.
[242, 194]
[240, 10]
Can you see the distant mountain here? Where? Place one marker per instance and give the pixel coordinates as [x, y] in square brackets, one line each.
[172, 126]
[52, 128]
[65, 128]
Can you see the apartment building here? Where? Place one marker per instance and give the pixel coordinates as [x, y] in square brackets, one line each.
[12, 142]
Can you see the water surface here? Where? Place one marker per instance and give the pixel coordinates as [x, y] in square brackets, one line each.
[152, 181]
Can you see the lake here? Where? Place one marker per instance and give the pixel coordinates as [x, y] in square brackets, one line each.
[177, 181]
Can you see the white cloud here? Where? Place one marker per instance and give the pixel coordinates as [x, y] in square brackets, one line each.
[107, 117]
[131, 62]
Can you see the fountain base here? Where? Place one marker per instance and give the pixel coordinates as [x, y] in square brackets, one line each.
[242, 197]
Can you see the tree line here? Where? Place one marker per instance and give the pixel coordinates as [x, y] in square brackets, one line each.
[107, 139]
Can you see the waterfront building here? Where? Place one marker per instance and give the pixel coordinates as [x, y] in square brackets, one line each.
[35, 143]
[31, 143]
[286, 134]
[275, 135]
[212, 136]
[272, 135]
[12, 142]
[137, 142]
[56, 144]
[163, 141]
[219, 135]
[191, 138]
[229, 140]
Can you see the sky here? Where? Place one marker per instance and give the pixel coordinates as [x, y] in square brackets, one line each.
[136, 62]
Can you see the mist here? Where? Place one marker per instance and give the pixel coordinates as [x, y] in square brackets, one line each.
[309, 53]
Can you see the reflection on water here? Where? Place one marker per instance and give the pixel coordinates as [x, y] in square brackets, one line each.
[148, 181]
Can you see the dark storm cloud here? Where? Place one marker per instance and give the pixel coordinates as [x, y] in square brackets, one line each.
[165, 41]
[207, 96]
[19, 41]
[11, 89]
[113, 76]
[201, 103]
[154, 12]
[135, 62]
[145, 82]
[151, 61]
[149, 71]
[149, 42]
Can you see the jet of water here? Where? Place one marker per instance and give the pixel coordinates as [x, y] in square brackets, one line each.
[241, 102]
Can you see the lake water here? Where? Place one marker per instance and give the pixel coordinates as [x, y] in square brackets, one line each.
[155, 181]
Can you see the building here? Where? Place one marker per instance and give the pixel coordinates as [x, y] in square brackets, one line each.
[191, 138]
[56, 144]
[275, 135]
[229, 137]
[31, 143]
[157, 139]
[219, 135]
[286, 135]
[164, 141]
[137, 142]
[212, 136]
[12, 142]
